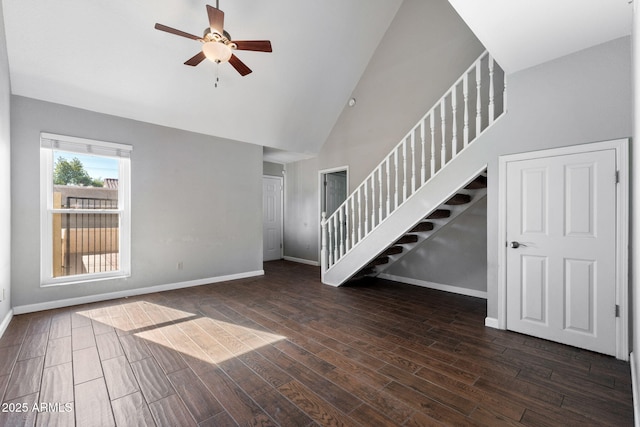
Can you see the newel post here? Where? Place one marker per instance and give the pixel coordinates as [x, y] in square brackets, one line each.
[323, 248]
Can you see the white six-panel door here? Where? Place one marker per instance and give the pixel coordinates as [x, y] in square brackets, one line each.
[561, 248]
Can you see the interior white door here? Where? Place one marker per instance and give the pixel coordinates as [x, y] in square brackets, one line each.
[271, 218]
[561, 254]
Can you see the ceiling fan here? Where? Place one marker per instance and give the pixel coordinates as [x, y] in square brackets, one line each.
[217, 44]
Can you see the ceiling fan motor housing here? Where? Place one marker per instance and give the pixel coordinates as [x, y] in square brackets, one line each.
[213, 36]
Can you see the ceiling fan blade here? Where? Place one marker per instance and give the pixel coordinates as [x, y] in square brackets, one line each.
[216, 19]
[196, 59]
[239, 65]
[254, 45]
[176, 32]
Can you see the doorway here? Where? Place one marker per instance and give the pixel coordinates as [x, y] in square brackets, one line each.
[564, 231]
[272, 218]
[333, 190]
[333, 187]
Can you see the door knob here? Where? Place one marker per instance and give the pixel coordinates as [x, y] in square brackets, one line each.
[516, 245]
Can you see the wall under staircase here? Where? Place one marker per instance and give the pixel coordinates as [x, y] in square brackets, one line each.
[429, 166]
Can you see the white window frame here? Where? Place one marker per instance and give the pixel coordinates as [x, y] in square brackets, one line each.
[122, 152]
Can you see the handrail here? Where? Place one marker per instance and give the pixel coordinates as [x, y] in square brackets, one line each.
[395, 179]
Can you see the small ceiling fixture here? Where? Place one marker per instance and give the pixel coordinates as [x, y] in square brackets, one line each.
[217, 45]
[216, 51]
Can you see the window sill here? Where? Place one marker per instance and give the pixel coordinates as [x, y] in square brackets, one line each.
[85, 278]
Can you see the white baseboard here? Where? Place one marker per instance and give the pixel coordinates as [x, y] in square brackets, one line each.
[302, 261]
[491, 322]
[5, 322]
[437, 286]
[634, 390]
[29, 308]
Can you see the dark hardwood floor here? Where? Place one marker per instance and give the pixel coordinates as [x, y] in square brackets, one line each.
[284, 349]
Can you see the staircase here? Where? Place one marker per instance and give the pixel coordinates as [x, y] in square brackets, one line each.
[426, 181]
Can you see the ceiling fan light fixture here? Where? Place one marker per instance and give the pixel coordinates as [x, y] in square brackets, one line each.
[216, 51]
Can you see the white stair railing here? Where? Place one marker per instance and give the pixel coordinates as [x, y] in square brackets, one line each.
[420, 155]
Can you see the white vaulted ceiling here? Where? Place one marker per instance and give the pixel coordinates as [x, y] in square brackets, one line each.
[105, 56]
[524, 33]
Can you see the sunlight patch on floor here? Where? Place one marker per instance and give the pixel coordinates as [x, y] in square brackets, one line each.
[195, 335]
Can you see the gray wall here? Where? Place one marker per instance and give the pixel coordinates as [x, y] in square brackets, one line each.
[455, 256]
[5, 176]
[425, 49]
[302, 207]
[272, 169]
[195, 199]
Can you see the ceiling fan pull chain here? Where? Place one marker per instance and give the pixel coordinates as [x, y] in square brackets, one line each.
[217, 74]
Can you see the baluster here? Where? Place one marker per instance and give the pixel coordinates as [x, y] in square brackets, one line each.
[396, 183]
[345, 227]
[336, 232]
[454, 124]
[359, 213]
[478, 98]
[423, 154]
[491, 96]
[465, 95]
[413, 161]
[388, 187]
[433, 142]
[443, 154]
[323, 247]
[373, 200]
[404, 170]
[381, 194]
[353, 221]
[330, 229]
[366, 208]
[341, 231]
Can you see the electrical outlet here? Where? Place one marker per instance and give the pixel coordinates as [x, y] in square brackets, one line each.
[179, 266]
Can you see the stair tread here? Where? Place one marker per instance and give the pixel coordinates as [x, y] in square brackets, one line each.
[393, 250]
[478, 183]
[458, 199]
[422, 226]
[439, 213]
[407, 238]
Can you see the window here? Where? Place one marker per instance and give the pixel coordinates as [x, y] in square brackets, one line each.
[85, 209]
